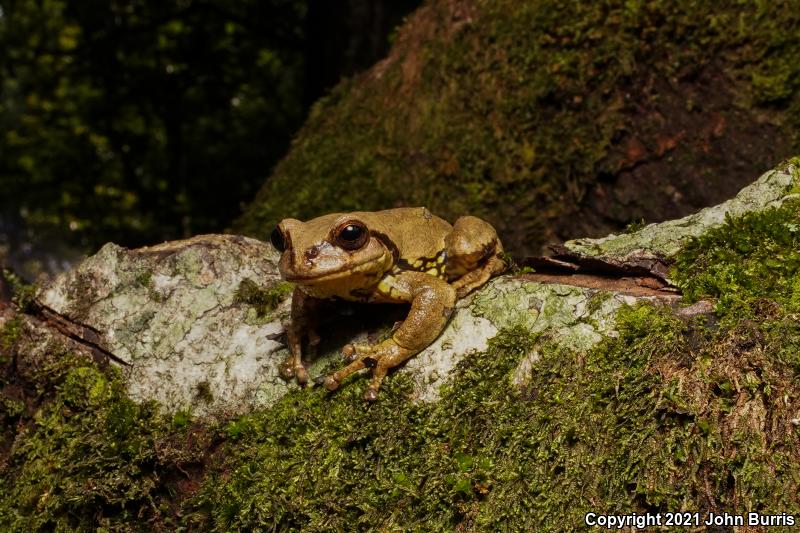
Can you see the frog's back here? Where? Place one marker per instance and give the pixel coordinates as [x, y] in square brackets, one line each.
[414, 232]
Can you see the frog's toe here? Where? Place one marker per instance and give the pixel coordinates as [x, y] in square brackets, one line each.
[351, 352]
[302, 375]
[371, 394]
[331, 383]
[365, 348]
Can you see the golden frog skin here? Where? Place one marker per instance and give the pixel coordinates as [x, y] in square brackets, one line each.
[404, 255]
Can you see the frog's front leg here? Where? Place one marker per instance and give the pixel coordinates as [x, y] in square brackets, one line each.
[303, 323]
[474, 254]
[432, 301]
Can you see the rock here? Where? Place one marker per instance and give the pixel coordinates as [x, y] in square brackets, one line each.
[573, 317]
[170, 316]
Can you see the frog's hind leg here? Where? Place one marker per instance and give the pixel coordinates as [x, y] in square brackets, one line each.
[432, 302]
[476, 278]
[379, 357]
[474, 254]
[382, 367]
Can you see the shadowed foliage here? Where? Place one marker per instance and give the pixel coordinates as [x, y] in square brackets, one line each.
[139, 121]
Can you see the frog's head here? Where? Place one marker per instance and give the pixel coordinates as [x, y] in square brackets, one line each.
[338, 251]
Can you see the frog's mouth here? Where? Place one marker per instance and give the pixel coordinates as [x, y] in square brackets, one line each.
[366, 268]
[328, 276]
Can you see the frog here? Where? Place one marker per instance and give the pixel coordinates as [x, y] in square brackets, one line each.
[405, 255]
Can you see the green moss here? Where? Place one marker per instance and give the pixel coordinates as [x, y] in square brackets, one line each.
[144, 279]
[85, 456]
[635, 226]
[652, 420]
[181, 419]
[203, 392]
[9, 334]
[22, 293]
[746, 263]
[514, 115]
[263, 300]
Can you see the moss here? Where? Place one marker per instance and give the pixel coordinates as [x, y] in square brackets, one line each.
[85, 456]
[645, 422]
[144, 279]
[22, 293]
[513, 112]
[203, 392]
[9, 334]
[746, 263]
[263, 300]
[635, 226]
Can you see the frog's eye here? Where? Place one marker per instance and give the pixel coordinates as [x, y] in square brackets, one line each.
[277, 239]
[351, 235]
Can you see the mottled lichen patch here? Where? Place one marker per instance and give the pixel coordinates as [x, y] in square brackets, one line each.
[177, 314]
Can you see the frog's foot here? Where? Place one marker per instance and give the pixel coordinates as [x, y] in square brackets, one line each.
[359, 356]
[379, 357]
[393, 355]
[477, 278]
[286, 370]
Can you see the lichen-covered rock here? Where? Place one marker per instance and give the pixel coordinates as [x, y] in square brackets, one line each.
[179, 321]
[176, 319]
[655, 244]
[572, 317]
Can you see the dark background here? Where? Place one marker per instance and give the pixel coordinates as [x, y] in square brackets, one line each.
[137, 121]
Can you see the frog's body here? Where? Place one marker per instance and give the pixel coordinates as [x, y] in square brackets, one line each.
[404, 255]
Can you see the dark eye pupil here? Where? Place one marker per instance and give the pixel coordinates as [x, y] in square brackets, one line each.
[277, 240]
[351, 233]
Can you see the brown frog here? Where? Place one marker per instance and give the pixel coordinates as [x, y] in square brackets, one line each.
[404, 255]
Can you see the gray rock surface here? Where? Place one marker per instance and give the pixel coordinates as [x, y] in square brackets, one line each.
[170, 314]
[573, 317]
